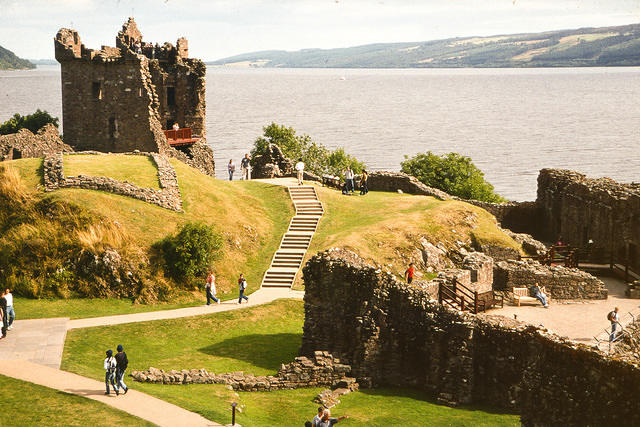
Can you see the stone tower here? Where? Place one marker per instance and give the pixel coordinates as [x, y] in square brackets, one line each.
[120, 99]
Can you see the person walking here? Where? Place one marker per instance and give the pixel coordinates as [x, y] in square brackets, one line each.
[614, 318]
[409, 273]
[242, 287]
[211, 288]
[245, 167]
[364, 177]
[348, 177]
[110, 372]
[316, 420]
[11, 314]
[121, 365]
[231, 168]
[3, 314]
[4, 331]
[300, 170]
[328, 421]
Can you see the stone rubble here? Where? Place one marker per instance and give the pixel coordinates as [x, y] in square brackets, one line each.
[25, 144]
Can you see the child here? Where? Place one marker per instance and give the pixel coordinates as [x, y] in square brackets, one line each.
[110, 372]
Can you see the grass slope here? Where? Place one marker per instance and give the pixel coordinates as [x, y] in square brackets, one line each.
[27, 404]
[254, 340]
[386, 227]
[606, 46]
[251, 216]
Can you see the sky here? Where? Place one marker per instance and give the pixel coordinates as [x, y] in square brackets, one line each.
[221, 28]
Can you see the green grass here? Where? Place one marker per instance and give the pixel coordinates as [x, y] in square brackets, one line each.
[255, 340]
[27, 404]
[80, 308]
[139, 170]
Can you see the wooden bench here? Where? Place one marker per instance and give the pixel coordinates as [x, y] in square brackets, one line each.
[521, 295]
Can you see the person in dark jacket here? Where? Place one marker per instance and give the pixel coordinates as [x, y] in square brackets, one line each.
[121, 365]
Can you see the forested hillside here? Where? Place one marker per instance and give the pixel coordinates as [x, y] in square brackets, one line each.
[606, 46]
[9, 61]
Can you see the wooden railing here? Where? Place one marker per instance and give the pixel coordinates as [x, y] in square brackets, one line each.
[182, 136]
[460, 297]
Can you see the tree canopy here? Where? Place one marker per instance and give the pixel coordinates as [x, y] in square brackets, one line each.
[33, 122]
[452, 173]
[318, 159]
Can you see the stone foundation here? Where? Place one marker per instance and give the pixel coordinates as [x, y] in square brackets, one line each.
[320, 369]
[392, 335]
[167, 197]
[561, 282]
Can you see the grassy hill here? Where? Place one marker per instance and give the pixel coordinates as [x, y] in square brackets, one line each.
[605, 46]
[9, 61]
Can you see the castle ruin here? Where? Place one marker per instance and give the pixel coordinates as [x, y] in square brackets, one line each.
[128, 97]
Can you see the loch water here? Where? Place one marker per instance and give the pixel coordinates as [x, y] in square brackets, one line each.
[511, 122]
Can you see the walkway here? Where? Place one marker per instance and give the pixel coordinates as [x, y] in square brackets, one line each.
[287, 260]
[579, 321]
[135, 403]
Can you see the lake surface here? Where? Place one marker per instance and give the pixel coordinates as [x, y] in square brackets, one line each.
[511, 122]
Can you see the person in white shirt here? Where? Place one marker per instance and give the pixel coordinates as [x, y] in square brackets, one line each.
[300, 169]
[110, 372]
[211, 288]
[176, 126]
[10, 311]
[348, 177]
[316, 420]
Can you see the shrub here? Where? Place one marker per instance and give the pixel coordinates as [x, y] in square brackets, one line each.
[452, 173]
[191, 252]
[33, 122]
[317, 158]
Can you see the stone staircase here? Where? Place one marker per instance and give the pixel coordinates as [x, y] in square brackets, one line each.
[288, 258]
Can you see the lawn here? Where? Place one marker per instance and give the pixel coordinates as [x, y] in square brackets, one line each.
[139, 170]
[27, 404]
[255, 340]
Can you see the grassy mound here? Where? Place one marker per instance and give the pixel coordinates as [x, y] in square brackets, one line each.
[386, 227]
[27, 404]
[254, 340]
[250, 216]
[139, 170]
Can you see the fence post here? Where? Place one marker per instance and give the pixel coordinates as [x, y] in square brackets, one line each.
[475, 302]
[233, 413]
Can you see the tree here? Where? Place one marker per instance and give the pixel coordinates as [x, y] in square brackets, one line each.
[452, 173]
[34, 122]
[191, 252]
[317, 158]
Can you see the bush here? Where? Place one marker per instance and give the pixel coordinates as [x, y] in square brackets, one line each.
[191, 252]
[452, 173]
[317, 158]
[33, 122]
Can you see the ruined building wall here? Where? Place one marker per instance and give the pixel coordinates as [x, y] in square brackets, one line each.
[579, 208]
[393, 335]
[120, 99]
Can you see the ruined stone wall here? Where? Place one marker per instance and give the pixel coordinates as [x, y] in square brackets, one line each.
[561, 282]
[167, 197]
[392, 335]
[25, 144]
[579, 208]
[394, 181]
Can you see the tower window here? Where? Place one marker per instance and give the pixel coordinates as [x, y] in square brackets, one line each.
[113, 128]
[171, 96]
[96, 90]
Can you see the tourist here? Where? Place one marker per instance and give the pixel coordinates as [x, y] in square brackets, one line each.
[316, 420]
[110, 372]
[300, 170]
[308, 424]
[614, 318]
[3, 313]
[327, 421]
[11, 314]
[539, 293]
[364, 178]
[211, 288]
[242, 286]
[231, 167]
[176, 126]
[348, 176]
[409, 273]
[121, 365]
[245, 167]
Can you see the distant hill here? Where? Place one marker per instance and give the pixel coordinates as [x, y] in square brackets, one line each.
[9, 61]
[606, 46]
[43, 61]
